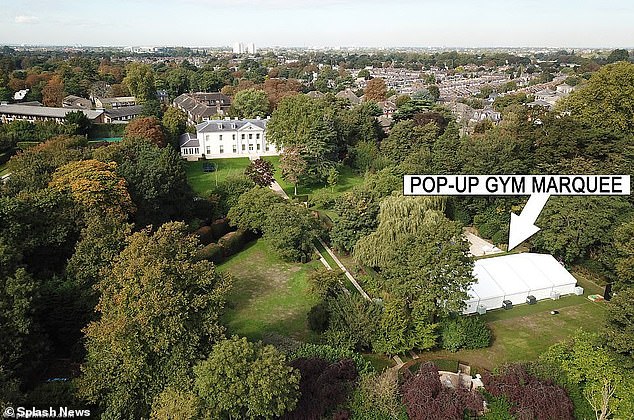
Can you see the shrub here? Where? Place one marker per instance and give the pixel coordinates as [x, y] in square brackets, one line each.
[205, 235]
[322, 199]
[477, 333]
[331, 354]
[232, 242]
[211, 252]
[318, 318]
[468, 332]
[219, 228]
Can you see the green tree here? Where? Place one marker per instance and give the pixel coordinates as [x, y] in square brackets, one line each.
[253, 208]
[176, 405]
[605, 100]
[139, 80]
[175, 123]
[79, 121]
[619, 329]
[574, 227]
[618, 55]
[605, 385]
[293, 166]
[160, 310]
[333, 178]
[156, 180]
[624, 244]
[241, 379]
[250, 103]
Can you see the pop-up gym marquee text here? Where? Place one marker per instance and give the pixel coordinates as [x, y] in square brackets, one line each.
[516, 184]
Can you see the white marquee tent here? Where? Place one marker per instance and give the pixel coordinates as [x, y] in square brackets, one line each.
[514, 277]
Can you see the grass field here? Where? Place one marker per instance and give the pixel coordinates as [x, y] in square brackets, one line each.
[526, 331]
[269, 295]
[204, 182]
[348, 178]
[3, 169]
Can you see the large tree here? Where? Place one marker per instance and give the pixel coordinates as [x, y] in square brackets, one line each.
[606, 100]
[160, 310]
[619, 330]
[139, 80]
[147, 128]
[376, 90]
[242, 379]
[250, 103]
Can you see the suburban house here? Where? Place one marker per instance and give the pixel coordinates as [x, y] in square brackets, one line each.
[122, 115]
[76, 102]
[10, 113]
[548, 98]
[115, 102]
[350, 96]
[227, 138]
[202, 106]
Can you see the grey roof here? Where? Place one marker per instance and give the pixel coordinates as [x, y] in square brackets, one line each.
[202, 105]
[126, 111]
[117, 99]
[349, 95]
[188, 140]
[46, 111]
[213, 126]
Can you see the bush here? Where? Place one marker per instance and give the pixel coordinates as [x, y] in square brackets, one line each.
[220, 227]
[318, 318]
[466, 332]
[232, 242]
[205, 235]
[330, 354]
[211, 252]
[477, 333]
[321, 199]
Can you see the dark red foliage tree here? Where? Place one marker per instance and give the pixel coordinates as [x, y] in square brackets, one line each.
[532, 398]
[323, 386]
[261, 172]
[425, 397]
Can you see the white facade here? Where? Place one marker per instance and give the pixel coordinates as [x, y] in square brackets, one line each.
[242, 48]
[514, 277]
[227, 139]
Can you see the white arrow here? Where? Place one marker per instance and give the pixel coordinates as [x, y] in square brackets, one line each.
[523, 226]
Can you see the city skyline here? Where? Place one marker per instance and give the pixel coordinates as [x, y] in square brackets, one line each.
[326, 23]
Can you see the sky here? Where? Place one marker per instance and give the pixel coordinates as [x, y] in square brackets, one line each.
[319, 23]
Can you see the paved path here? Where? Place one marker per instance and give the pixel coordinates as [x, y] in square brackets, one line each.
[278, 189]
[479, 247]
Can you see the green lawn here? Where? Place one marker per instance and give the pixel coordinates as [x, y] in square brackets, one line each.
[526, 331]
[3, 169]
[269, 294]
[203, 183]
[348, 178]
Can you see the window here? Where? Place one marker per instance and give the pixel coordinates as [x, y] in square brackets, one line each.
[267, 148]
[208, 150]
[233, 137]
[257, 136]
[243, 137]
[258, 146]
[243, 147]
[250, 136]
[222, 149]
[250, 147]
[207, 136]
[196, 150]
[220, 137]
[235, 148]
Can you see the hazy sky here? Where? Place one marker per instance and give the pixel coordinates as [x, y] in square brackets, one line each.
[469, 23]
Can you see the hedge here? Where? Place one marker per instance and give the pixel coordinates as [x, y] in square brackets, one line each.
[205, 235]
[233, 242]
[211, 252]
[220, 228]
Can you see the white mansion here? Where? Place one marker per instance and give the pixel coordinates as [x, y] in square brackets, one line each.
[227, 138]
